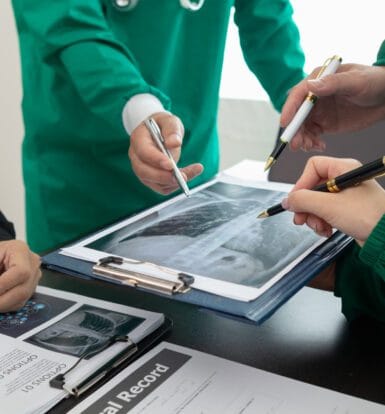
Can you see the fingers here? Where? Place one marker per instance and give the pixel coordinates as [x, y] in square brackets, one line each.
[319, 226]
[172, 130]
[147, 159]
[319, 169]
[350, 83]
[151, 175]
[153, 168]
[345, 83]
[145, 152]
[192, 171]
[20, 277]
[310, 208]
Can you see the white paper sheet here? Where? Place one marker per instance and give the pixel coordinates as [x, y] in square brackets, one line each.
[46, 337]
[175, 379]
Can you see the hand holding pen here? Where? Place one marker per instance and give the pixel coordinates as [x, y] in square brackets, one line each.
[355, 211]
[330, 66]
[152, 166]
[156, 135]
[349, 100]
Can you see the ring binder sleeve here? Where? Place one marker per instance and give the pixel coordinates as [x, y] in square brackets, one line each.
[107, 267]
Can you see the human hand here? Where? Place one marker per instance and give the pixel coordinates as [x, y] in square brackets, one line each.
[151, 166]
[19, 274]
[349, 100]
[355, 211]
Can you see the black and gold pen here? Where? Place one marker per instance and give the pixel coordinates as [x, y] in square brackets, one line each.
[330, 66]
[349, 179]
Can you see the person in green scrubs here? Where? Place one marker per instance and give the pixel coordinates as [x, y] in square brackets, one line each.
[351, 99]
[94, 70]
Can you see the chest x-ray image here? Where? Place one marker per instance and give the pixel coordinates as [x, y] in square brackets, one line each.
[85, 331]
[215, 233]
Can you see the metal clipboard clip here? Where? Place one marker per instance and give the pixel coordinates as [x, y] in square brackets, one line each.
[107, 267]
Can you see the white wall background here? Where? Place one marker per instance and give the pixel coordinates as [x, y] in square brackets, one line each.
[352, 29]
[11, 126]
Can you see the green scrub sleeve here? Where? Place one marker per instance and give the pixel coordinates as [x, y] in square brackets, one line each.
[381, 55]
[75, 34]
[360, 277]
[373, 251]
[270, 43]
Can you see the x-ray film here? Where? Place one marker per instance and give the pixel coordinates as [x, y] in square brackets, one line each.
[214, 235]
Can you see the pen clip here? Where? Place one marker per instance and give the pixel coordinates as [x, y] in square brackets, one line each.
[326, 64]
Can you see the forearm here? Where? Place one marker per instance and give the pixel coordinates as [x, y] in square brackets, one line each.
[109, 81]
[271, 45]
[75, 37]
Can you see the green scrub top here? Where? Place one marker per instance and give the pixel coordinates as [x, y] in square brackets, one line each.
[83, 59]
[360, 272]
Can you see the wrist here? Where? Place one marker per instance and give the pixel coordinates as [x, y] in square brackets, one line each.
[373, 250]
[138, 108]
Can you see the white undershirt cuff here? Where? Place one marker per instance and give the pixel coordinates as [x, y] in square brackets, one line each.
[138, 108]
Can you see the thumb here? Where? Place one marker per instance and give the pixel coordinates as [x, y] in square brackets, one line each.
[344, 83]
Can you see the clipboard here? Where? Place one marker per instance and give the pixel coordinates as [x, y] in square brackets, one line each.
[255, 311]
[113, 367]
[183, 287]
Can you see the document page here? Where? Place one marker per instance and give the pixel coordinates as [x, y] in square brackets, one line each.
[50, 334]
[173, 379]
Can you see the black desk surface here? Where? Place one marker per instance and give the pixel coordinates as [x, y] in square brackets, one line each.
[308, 339]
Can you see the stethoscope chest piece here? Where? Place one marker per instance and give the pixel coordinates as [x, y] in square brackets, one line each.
[191, 4]
[124, 5]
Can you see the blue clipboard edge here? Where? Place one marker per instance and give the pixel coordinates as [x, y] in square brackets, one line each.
[255, 311]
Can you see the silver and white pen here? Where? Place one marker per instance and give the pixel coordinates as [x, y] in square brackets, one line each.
[157, 137]
[330, 66]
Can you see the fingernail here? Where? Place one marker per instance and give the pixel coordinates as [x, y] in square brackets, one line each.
[285, 203]
[176, 137]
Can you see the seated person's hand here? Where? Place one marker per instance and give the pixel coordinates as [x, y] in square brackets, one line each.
[355, 211]
[19, 274]
[151, 166]
[349, 100]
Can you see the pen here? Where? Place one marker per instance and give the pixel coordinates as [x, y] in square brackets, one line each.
[349, 179]
[157, 137]
[330, 66]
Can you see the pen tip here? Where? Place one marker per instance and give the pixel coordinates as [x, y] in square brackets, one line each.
[264, 214]
[269, 163]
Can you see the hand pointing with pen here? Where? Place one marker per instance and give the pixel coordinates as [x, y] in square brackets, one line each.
[355, 211]
[349, 100]
[153, 168]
